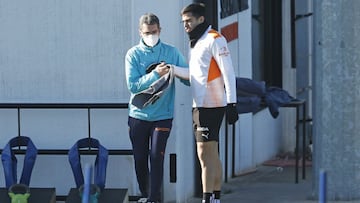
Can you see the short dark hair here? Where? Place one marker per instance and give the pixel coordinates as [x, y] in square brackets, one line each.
[149, 19]
[196, 9]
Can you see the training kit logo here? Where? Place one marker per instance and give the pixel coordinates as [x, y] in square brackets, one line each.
[204, 132]
[224, 51]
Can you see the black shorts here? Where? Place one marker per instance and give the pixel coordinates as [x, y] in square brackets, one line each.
[207, 122]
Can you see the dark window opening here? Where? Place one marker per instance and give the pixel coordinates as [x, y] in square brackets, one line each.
[267, 41]
[211, 14]
[230, 7]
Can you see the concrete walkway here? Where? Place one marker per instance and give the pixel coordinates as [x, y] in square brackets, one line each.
[269, 185]
[266, 185]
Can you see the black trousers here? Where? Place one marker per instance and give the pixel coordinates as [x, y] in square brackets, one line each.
[148, 139]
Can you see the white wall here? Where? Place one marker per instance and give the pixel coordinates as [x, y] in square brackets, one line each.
[63, 51]
[289, 81]
[267, 136]
[259, 137]
[240, 49]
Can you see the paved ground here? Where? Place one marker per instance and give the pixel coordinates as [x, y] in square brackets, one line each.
[266, 185]
[270, 185]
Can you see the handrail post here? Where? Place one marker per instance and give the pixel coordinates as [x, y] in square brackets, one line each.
[226, 150]
[297, 145]
[304, 141]
[233, 152]
[89, 127]
[19, 128]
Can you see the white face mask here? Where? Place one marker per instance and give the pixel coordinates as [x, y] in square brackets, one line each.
[150, 40]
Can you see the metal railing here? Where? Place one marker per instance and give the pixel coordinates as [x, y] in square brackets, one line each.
[87, 106]
[297, 104]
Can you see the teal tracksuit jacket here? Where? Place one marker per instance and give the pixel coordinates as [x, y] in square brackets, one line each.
[137, 59]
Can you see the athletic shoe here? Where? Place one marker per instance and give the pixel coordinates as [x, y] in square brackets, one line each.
[142, 200]
[149, 201]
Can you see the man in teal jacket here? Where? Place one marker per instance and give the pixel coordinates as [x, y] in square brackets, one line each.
[149, 127]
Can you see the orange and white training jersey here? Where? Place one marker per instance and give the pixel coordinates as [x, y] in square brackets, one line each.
[212, 76]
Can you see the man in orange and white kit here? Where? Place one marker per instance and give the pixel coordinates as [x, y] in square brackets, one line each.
[213, 85]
